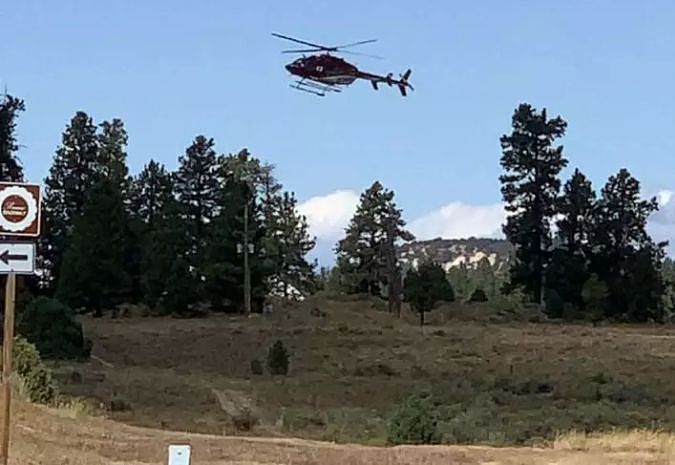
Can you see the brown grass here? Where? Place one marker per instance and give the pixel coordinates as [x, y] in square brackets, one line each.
[351, 364]
[42, 436]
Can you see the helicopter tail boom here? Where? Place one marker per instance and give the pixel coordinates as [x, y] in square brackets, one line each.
[401, 83]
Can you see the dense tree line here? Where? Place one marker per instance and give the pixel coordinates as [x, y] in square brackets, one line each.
[579, 254]
[172, 240]
[175, 240]
[599, 261]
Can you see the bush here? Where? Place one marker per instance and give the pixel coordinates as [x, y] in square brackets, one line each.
[594, 295]
[119, 403]
[52, 327]
[414, 422]
[478, 296]
[35, 380]
[244, 420]
[278, 359]
[554, 303]
[256, 367]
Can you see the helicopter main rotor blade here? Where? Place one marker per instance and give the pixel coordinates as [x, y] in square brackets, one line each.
[362, 54]
[307, 50]
[302, 42]
[357, 43]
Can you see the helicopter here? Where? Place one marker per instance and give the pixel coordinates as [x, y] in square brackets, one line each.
[321, 73]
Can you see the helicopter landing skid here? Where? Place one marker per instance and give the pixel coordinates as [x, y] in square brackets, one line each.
[314, 88]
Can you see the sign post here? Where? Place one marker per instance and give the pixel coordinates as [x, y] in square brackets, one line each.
[20, 209]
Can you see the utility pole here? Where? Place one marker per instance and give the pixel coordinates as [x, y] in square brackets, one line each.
[247, 269]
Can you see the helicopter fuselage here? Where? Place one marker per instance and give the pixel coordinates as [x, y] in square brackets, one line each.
[324, 68]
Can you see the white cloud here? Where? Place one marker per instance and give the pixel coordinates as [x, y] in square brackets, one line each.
[328, 215]
[662, 223]
[666, 213]
[459, 220]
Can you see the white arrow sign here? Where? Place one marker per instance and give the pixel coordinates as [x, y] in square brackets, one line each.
[17, 257]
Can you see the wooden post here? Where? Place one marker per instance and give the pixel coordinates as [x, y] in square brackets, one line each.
[7, 345]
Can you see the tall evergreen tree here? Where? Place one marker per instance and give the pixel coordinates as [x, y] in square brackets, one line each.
[530, 187]
[151, 189]
[224, 272]
[624, 255]
[197, 187]
[94, 273]
[568, 267]
[165, 243]
[576, 207]
[361, 254]
[289, 241]
[10, 167]
[75, 169]
[113, 141]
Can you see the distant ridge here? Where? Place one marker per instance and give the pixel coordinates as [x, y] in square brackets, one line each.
[453, 252]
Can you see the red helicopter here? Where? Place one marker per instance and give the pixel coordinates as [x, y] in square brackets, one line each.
[324, 72]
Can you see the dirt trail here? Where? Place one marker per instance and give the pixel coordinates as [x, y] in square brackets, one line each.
[45, 437]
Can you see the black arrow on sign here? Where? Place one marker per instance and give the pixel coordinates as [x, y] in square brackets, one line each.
[6, 257]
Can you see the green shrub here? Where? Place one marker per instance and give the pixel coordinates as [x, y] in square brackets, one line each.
[478, 296]
[35, 379]
[594, 295]
[52, 327]
[119, 403]
[554, 303]
[278, 359]
[256, 367]
[414, 422]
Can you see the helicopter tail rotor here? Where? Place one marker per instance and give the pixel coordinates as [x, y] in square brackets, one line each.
[403, 83]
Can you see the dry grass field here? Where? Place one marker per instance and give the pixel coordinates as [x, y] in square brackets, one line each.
[495, 384]
[42, 436]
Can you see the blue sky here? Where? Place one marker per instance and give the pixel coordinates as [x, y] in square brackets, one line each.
[172, 70]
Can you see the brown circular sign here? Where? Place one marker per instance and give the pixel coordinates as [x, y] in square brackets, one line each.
[14, 208]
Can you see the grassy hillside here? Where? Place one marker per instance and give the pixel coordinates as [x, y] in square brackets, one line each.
[352, 364]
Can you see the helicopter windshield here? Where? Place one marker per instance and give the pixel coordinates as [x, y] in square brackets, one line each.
[299, 62]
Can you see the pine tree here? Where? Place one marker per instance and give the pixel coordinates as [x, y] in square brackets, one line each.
[94, 273]
[75, 169]
[624, 255]
[113, 141]
[425, 287]
[10, 167]
[197, 187]
[150, 191]
[361, 254]
[530, 187]
[181, 296]
[224, 272]
[568, 268]
[165, 243]
[289, 243]
[576, 206]
[392, 228]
